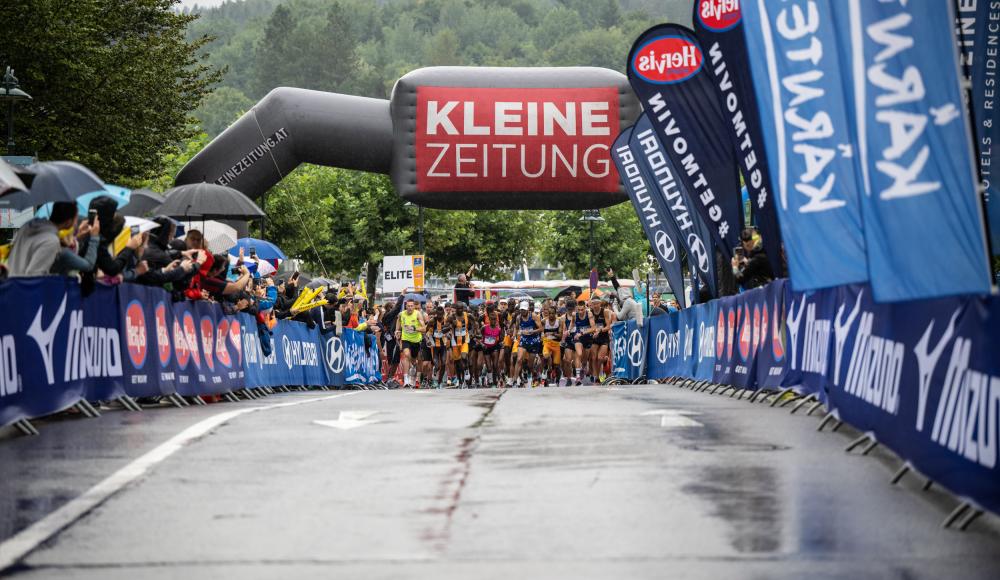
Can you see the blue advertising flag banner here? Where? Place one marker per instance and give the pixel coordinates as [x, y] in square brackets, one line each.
[800, 86]
[719, 26]
[687, 329]
[651, 209]
[362, 364]
[44, 366]
[628, 350]
[694, 236]
[920, 204]
[979, 28]
[666, 70]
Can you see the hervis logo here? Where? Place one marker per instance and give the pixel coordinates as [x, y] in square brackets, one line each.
[777, 336]
[208, 341]
[756, 327]
[745, 337]
[191, 336]
[181, 345]
[730, 332]
[135, 334]
[667, 60]
[720, 335]
[719, 15]
[221, 352]
[162, 334]
[236, 341]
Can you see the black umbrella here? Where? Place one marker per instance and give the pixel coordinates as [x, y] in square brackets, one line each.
[54, 181]
[208, 201]
[142, 203]
[566, 291]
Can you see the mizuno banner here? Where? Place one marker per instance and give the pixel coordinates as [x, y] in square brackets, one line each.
[922, 215]
[694, 236]
[801, 89]
[652, 212]
[666, 70]
[719, 26]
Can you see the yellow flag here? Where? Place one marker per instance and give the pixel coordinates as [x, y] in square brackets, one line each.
[123, 237]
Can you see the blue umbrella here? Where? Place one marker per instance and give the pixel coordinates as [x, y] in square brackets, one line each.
[264, 249]
[120, 194]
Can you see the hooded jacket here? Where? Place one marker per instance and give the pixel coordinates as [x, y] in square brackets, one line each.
[34, 249]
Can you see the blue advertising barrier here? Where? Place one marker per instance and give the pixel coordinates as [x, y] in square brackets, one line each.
[921, 377]
[58, 347]
[52, 353]
[189, 348]
[628, 346]
[296, 355]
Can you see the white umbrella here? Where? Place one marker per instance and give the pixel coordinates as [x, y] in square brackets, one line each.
[144, 225]
[218, 236]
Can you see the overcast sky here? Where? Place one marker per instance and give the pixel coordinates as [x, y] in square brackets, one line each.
[202, 3]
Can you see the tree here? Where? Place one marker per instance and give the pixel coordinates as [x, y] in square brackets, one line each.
[221, 108]
[619, 241]
[113, 82]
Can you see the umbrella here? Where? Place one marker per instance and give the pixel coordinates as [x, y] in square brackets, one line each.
[263, 249]
[567, 290]
[116, 192]
[585, 295]
[219, 237]
[54, 181]
[9, 180]
[415, 297]
[143, 203]
[208, 200]
[144, 225]
[317, 282]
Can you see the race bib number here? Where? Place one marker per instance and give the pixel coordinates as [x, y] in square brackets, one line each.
[490, 340]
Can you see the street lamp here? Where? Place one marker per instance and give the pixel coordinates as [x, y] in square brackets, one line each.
[420, 225]
[591, 215]
[10, 92]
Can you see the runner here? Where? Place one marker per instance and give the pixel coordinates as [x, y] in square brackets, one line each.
[409, 329]
[529, 327]
[492, 345]
[464, 325]
[583, 330]
[426, 347]
[442, 346]
[476, 346]
[569, 351]
[603, 319]
[553, 327]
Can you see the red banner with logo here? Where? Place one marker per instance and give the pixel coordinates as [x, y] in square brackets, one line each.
[516, 139]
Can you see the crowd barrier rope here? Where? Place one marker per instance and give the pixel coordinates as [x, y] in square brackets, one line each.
[921, 377]
[58, 348]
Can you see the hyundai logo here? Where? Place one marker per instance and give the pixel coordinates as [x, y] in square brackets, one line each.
[665, 246]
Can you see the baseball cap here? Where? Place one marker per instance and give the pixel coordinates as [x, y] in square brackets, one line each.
[523, 305]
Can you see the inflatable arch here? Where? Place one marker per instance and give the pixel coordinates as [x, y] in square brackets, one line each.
[449, 137]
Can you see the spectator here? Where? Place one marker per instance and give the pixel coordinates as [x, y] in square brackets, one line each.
[750, 264]
[463, 288]
[628, 308]
[194, 240]
[38, 243]
[656, 309]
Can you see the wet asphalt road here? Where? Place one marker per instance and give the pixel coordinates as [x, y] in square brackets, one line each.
[628, 482]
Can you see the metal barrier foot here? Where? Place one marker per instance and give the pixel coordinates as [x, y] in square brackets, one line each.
[25, 427]
[802, 402]
[973, 516]
[829, 417]
[814, 407]
[900, 473]
[955, 514]
[864, 438]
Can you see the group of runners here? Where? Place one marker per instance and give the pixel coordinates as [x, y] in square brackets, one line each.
[509, 343]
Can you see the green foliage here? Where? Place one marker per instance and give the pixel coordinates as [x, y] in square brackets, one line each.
[221, 108]
[619, 241]
[113, 82]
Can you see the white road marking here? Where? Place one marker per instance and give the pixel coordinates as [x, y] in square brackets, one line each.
[349, 420]
[20, 545]
[674, 418]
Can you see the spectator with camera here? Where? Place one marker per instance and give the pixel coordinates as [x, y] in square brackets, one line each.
[750, 264]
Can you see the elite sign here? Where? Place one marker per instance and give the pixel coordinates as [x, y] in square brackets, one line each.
[400, 273]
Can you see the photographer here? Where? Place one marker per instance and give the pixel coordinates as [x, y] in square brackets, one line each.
[628, 308]
[750, 265]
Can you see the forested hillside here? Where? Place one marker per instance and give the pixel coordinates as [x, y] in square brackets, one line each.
[362, 46]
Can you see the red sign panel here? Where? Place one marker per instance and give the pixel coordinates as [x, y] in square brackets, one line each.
[509, 139]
